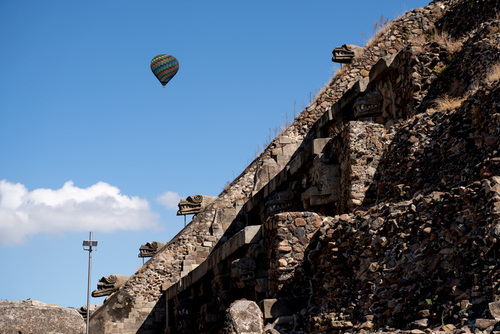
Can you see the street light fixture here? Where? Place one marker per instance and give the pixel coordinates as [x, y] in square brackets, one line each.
[88, 246]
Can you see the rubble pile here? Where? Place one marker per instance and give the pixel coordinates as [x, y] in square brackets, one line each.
[377, 210]
[436, 151]
[427, 254]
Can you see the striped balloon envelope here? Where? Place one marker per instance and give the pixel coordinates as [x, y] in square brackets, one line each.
[164, 67]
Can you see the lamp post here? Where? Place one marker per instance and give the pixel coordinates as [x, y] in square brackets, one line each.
[87, 245]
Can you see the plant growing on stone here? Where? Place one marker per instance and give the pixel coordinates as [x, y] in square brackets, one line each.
[431, 301]
[444, 39]
[494, 74]
[418, 42]
[440, 71]
[381, 24]
[406, 32]
[379, 28]
[446, 102]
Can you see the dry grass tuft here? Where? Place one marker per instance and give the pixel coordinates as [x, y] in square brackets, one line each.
[418, 41]
[446, 102]
[494, 74]
[494, 30]
[379, 28]
[341, 71]
[449, 44]
[382, 23]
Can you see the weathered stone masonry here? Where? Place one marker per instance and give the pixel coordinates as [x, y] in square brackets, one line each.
[135, 306]
[333, 160]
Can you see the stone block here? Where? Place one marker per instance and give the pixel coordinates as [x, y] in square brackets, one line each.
[483, 324]
[382, 66]
[245, 317]
[495, 309]
[290, 149]
[312, 150]
[285, 140]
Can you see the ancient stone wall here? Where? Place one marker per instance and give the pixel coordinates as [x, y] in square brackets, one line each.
[334, 159]
[287, 236]
[360, 148]
[33, 317]
[197, 303]
[138, 306]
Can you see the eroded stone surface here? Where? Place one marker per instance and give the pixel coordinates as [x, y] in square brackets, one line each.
[109, 284]
[418, 201]
[33, 317]
[192, 205]
[244, 317]
[346, 53]
[149, 249]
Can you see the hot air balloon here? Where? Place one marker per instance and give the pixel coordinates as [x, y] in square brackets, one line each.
[164, 67]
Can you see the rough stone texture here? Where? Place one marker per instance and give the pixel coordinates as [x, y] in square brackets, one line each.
[360, 148]
[150, 248]
[406, 191]
[109, 284]
[244, 317]
[287, 236]
[33, 317]
[137, 305]
[83, 310]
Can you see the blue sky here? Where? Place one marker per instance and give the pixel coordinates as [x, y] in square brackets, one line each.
[89, 141]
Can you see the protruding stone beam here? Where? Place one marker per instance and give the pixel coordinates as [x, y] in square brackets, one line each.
[109, 284]
[345, 54]
[194, 204]
[150, 248]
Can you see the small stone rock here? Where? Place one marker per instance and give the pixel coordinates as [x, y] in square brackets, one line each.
[495, 310]
[300, 222]
[482, 324]
[284, 249]
[448, 328]
[366, 325]
[417, 331]
[420, 324]
[282, 262]
[246, 317]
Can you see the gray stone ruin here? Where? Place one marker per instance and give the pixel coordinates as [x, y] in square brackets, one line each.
[109, 284]
[150, 248]
[244, 317]
[344, 54]
[32, 316]
[193, 205]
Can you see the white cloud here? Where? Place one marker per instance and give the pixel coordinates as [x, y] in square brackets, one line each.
[169, 199]
[100, 207]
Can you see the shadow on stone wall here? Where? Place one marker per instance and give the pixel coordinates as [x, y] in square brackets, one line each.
[155, 321]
